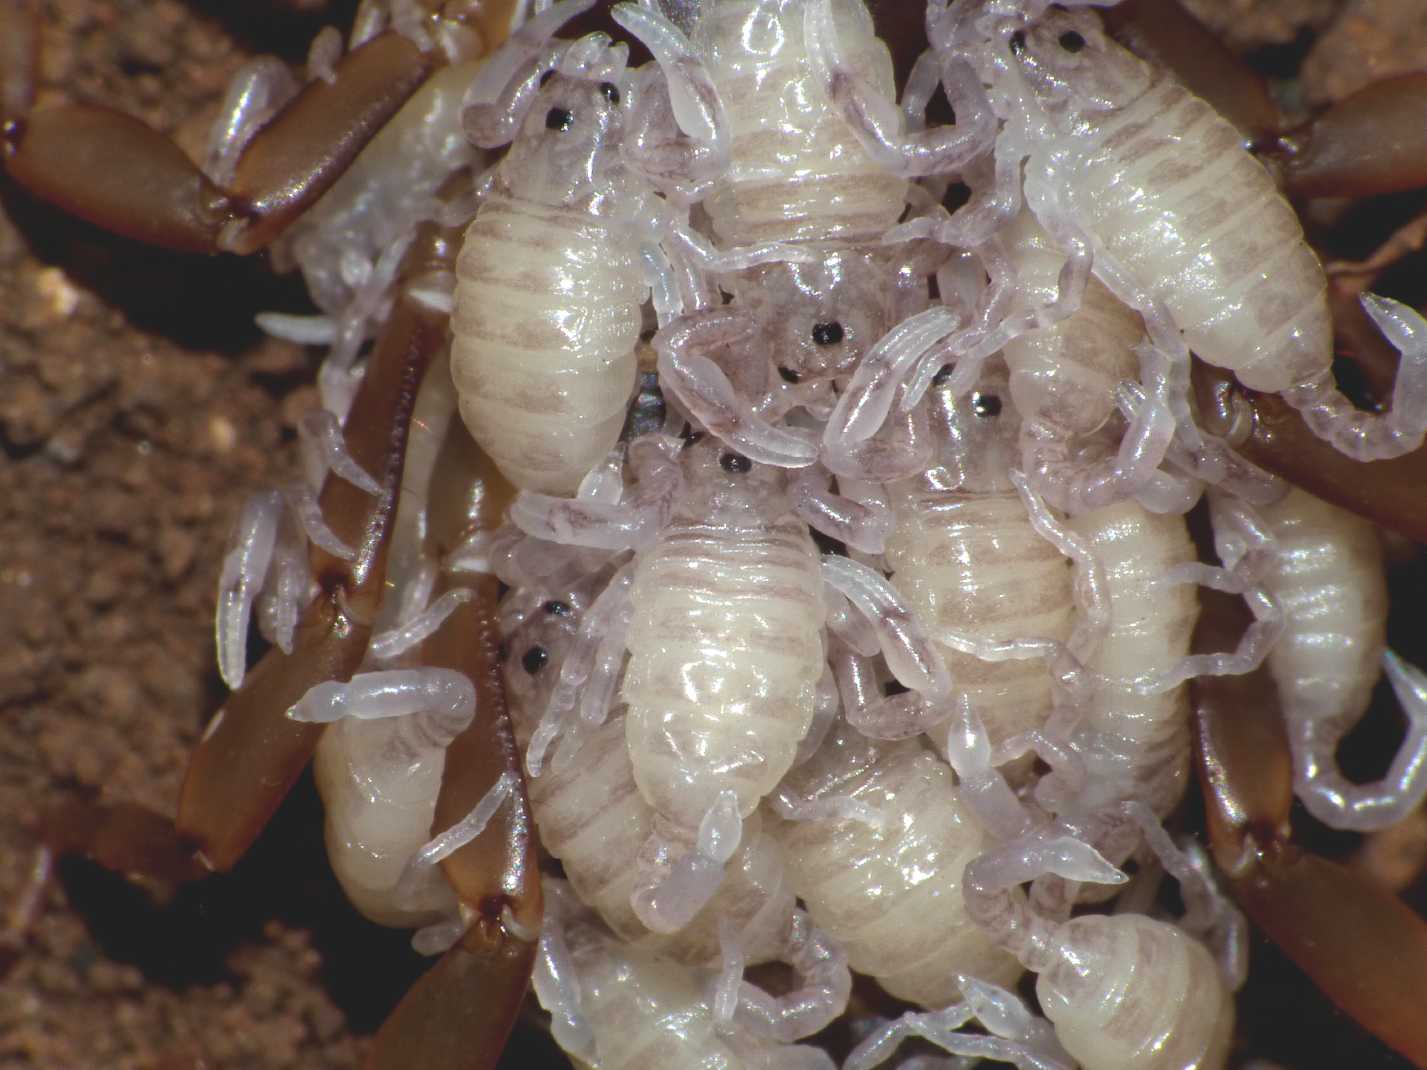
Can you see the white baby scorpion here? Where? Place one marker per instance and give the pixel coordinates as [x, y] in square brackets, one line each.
[971, 563]
[552, 272]
[797, 175]
[1156, 191]
[592, 817]
[722, 613]
[616, 1007]
[887, 884]
[1326, 570]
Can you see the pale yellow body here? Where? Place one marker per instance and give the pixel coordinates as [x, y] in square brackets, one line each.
[1136, 994]
[970, 564]
[379, 780]
[798, 172]
[1328, 578]
[648, 1013]
[546, 322]
[1145, 738]
[891, 896]
[1165, 186]
[725, 651]
[1064, 376]
[592, 817]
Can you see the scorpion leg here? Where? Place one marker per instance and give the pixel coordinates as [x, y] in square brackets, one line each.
[251, 741]
[460, 1012]
[114, 171]
[1361, 945]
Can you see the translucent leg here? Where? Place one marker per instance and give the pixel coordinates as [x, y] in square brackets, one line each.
[419, 627]
[878, 123]
[424, 861]
[670, 902]
[910, 655]
[557, 986]
[710, 397]
[1209, 913]
[1016, 1035]
[580, 661]
[245, 568]
[390, 693]
[857, 525]
[823, 986]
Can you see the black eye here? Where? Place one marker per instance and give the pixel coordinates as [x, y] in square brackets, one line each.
[942, 376]
[1018, 42]
[690, 436]
[534, 659]
[985, 404]
[827, 334]
[546, 77]
[1071, 41]
[558, 119]
[557, 609]
[610, 91]
[789, 376]
[734, 462]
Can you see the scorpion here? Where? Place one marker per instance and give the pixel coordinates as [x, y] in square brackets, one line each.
[332, 642]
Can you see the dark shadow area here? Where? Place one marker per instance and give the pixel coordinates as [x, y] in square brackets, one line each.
[277, 27]
[195, 301]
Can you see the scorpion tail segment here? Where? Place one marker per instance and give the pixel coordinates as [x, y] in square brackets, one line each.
[1267, 432]
[1361, 945]
[117, 173]
[251, 741]
[458, 1015]
[669, 901]
[1340, 803]
[1366, 436]
[1017, 1036]
[824, 986]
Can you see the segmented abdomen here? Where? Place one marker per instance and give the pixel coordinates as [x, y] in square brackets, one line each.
[546, 321]
[892, 895]
[972, 565]
[725, 652]
[798, 172]
[1145, 738]
[1327, 576]
[1137, 994]
[1167, 187]
[593, 819]
[645, 1012]
[1064, 376]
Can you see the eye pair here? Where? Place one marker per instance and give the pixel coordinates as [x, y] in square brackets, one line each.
[562, 119]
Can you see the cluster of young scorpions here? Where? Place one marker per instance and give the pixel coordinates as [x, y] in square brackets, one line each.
[811, 576]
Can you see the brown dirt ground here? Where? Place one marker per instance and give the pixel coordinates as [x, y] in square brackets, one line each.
[139, 406]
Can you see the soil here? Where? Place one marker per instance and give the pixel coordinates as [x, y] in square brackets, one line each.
[139, 406]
